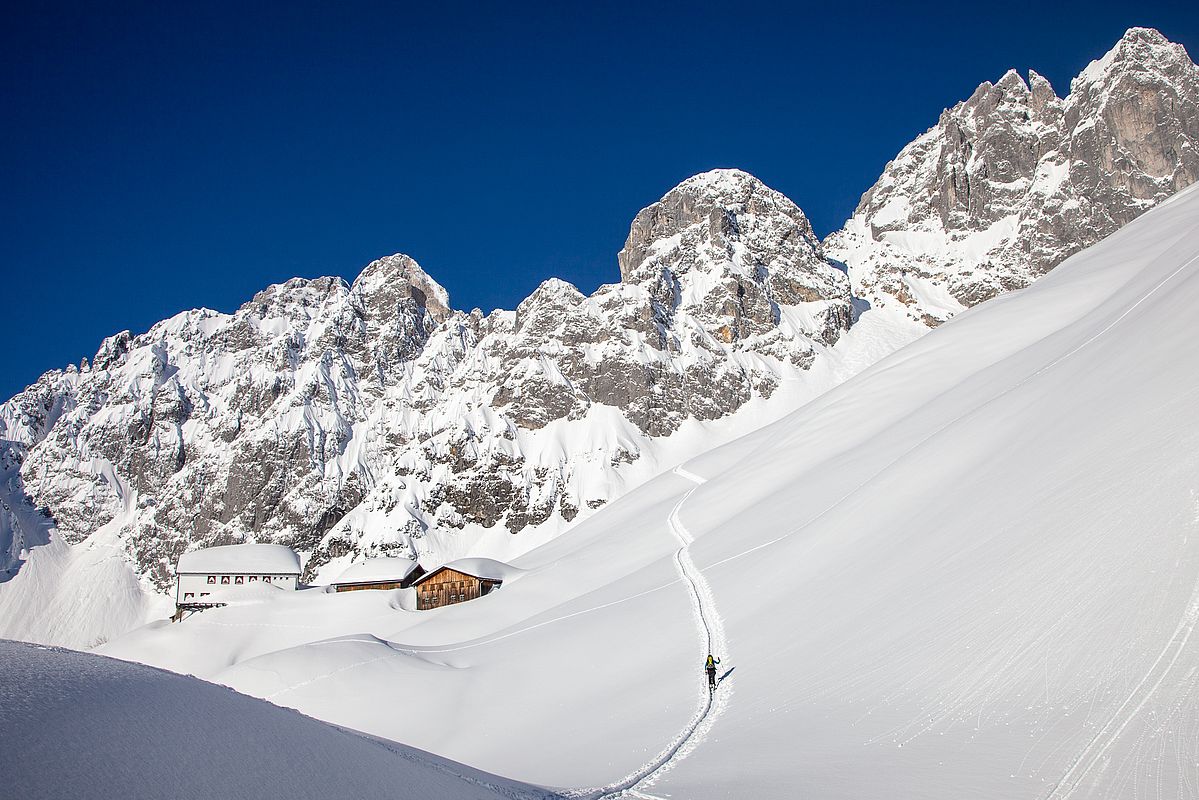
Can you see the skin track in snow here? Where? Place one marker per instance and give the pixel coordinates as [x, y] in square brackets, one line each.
[711, 634]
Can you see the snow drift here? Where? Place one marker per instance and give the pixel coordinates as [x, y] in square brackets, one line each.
[87, 726]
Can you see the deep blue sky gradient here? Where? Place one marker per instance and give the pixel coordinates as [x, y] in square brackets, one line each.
[162, 156]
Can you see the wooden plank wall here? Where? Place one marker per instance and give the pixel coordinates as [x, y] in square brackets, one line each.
[378, 585]
[449, 587]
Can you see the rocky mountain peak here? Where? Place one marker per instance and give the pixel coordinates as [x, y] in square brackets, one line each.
[1140, 50]
[707, 272]
[1041, 90]
[1014, 179]
[388, 282]
[548, 302]
[709, 212]
[731, 250]
[1012, 82]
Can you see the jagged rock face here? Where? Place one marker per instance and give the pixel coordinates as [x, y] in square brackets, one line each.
[396, 297]
[374, 419]
[211, 427]
[730, 251]
[1014, 180]
[708, 274]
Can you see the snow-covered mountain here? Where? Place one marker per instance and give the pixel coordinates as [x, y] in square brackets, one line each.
[970, 571]
[373, 419]
[1013, 180]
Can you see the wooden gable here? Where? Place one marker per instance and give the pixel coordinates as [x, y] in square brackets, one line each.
[445, 586]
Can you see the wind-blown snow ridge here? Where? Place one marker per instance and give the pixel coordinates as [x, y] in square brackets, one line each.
[711, 633]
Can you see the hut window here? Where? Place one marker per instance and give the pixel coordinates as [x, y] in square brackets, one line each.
[188, 595]
[224, 579]
[212, 578]
[205, 594]
[266, 578]
[253, 579]
[240, 579]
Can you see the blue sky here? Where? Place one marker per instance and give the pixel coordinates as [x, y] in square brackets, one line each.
[160, 156]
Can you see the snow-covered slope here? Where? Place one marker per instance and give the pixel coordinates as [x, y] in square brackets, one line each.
[370, 419]
[1013, 180]
[82, 726]
[971, 571]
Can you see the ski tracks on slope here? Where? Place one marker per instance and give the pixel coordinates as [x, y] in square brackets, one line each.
[711, 635]
[1097, 748]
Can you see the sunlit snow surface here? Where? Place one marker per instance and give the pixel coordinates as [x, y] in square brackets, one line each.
[968, 572]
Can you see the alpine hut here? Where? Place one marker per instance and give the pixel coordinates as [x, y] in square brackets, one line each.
[201, 573]
[379, 573]
[459, 581]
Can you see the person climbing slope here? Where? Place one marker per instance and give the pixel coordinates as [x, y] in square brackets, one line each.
[710, 668]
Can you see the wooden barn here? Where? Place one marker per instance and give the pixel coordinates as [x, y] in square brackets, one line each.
[459, 581]
[379, 573]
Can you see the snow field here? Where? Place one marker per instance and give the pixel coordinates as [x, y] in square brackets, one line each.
[986, 598]
[968, 572]
[569, 637]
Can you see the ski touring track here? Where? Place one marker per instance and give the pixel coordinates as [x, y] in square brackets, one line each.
[1096, 750]
[711, 636]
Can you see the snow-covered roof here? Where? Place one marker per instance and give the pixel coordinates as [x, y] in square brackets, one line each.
[485, 568]
[377, 569]
[245, 558]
